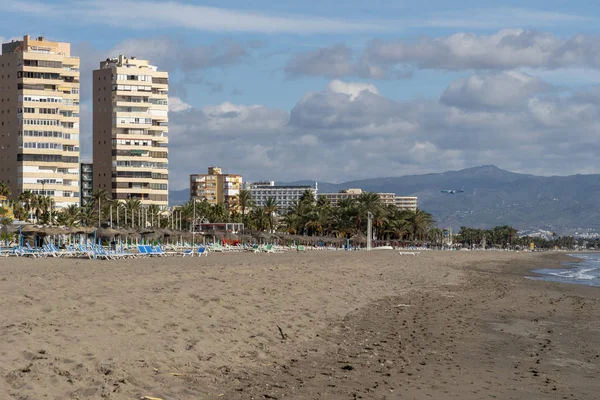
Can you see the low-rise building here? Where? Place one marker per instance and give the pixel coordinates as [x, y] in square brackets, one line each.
[86, 176]
[285, 196]
[403, 203]
[216, 188]
[334, 198]
[407, 203]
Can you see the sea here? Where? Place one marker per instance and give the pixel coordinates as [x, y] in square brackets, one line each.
[585, 272]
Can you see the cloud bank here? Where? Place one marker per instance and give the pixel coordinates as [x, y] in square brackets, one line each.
[350, 131]
[506, 49]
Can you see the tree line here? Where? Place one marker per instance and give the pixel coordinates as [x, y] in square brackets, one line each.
[309, 216]
[507, 237]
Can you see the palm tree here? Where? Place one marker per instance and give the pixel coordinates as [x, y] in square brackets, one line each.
[71, 215]
[99, 198]
[346, 213]
[368, 202]
[4, 218]
[245, 201]
[132, 207]
[154, 214]
[218, 213]
[421, 222]
[271, 207]
[19, 212]
[4, 190]
[291, 221]
[38, 203]
[25, 198]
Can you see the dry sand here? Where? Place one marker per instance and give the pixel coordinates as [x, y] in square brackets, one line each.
[330, 325]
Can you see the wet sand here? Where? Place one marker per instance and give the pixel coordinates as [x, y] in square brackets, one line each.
[331, 325]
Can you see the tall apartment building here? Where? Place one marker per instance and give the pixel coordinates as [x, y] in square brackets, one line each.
[286, 196]
[216, 187]
[130, 99]
[86, 174]
[39, 119]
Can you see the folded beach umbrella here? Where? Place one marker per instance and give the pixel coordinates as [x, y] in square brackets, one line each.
[83, 229]
[214, 233]
[9, 229]
[30, 230]
[359, 238]
[232, 236]
[104, 233]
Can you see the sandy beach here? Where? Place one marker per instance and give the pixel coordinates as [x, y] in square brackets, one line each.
[330, 325]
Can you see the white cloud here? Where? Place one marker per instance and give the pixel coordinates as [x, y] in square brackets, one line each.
[178, 105]
[338, 61]
[506, 49]
[334, 61]
[237, 119]
[500, 90]
[178, 14]
[351, 89]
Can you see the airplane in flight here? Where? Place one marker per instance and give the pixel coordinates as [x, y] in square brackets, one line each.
[452, 191]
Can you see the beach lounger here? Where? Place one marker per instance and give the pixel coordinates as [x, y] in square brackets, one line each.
[202, 252]
[409, 253]
[188, 252]
[217, 247]
[157, 250]
[143, 250]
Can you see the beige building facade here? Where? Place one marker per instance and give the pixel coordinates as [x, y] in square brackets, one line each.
[130, 130]
[39, 119]
[407, 203]
[216, 188]
[334, 198]
[401, 202]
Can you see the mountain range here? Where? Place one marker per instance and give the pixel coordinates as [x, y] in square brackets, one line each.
[491, 196]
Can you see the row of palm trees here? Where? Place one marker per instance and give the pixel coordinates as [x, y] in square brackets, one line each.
[497, 236]
[309, 216]
[318, 217]
[506, 236]
[100, 210]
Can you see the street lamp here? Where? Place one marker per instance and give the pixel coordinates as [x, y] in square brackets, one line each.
[369, 230]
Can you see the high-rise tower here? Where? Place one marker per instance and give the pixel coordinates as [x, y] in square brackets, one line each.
[39, 119]
[130, 99]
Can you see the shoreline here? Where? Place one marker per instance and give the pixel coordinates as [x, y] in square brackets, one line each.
[557, 261]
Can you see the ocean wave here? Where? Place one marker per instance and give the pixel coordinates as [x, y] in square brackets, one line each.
[576, 274]
[585, 272]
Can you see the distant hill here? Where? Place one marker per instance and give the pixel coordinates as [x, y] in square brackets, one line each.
[177, 197]
[492, 197]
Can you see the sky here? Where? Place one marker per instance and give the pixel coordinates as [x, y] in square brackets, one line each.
[342, 90]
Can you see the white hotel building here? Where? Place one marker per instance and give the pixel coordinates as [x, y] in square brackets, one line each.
[286, 196]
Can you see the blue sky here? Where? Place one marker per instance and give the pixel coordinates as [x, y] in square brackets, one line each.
[335, 90]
